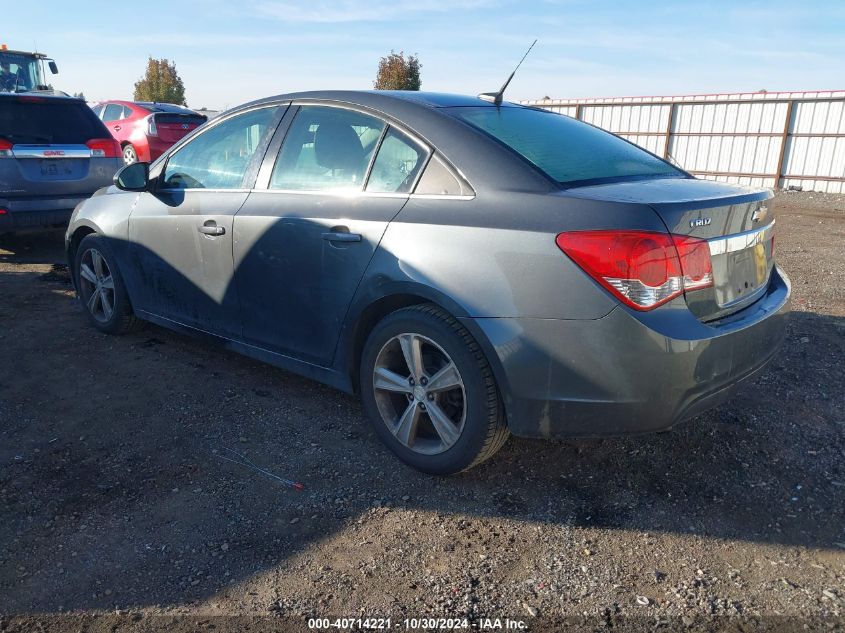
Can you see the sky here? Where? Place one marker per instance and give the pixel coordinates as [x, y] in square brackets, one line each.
[230, 52]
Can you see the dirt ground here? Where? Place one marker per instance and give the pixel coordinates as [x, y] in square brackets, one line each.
[117, 511]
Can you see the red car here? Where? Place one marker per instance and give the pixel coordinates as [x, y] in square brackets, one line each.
[146, 130]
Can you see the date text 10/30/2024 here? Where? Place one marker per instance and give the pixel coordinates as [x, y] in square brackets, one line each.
[491, 624]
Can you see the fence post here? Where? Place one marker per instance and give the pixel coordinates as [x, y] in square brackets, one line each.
[783, 141]
[669, 126]
[578, 111]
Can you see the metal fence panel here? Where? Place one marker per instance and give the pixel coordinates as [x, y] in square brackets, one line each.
[773, 139]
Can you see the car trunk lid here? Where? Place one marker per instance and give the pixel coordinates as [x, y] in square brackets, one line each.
[735, 222]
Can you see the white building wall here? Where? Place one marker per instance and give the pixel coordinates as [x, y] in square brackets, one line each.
[774, 139]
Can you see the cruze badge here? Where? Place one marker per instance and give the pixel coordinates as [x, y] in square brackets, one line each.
[700, 222]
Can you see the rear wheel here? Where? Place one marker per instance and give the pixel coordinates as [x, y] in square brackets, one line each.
[100, 287]
[430, 393]
[130, 155]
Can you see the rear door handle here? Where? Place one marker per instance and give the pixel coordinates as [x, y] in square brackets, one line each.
[337, 236]
[117, 128]
[210, 228]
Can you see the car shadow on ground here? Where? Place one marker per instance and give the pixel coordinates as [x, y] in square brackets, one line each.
[113, 492]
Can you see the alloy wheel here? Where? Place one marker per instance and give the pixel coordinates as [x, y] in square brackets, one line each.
[129, 155]
[419, 393]
[96, 285]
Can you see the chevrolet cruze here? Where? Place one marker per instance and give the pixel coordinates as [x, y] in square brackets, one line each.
[472, 270]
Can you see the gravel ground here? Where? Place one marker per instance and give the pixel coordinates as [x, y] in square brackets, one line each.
[118, 511]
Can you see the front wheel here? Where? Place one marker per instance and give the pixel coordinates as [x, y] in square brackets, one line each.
[430, 392]
[100, 287]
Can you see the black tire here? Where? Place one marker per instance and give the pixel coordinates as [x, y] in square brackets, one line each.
[121, 319]
[484, 430]
[129, 155]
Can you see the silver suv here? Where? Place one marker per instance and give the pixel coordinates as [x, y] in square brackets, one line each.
[54, 153]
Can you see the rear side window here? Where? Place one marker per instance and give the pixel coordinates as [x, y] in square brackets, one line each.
[397, 164]
[219, 158]
[568, 151]
[437, 180]
[326, 149]
[45, 120]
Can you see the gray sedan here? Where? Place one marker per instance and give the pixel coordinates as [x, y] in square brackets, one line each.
[472, 270]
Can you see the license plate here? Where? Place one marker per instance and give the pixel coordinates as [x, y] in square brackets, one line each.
[49, 168]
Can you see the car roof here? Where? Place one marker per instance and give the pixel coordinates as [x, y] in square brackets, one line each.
[45, 95]
[385, 100]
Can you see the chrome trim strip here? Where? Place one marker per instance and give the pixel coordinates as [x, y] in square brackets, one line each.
[440, 196]
[335, 193]
[51, 152]
[203, 189]
[740, 241]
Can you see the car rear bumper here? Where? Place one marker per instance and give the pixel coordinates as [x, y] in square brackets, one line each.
[629, 373]
[39, 212]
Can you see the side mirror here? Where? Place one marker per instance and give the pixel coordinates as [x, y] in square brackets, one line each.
[53, 68]
[134, 177]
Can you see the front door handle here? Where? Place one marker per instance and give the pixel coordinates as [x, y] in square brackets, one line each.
[338, 236]
[210, 228]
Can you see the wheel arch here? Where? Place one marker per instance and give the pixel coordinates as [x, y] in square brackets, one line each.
[367, 314]
[79, 233]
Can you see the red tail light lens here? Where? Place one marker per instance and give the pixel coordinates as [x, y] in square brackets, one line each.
[643, 269]
[5, 148]
[104, 148]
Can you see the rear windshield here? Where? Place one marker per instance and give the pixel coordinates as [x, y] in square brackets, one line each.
[568, 151]
[39, 120]
[165, 107]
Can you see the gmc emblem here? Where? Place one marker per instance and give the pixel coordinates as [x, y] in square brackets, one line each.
[53, 152]
[699, 222]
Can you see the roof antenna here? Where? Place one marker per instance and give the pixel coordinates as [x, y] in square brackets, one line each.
[496, 97]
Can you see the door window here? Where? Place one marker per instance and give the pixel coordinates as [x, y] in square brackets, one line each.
[326, 149]
[113, 112]
[397, 164]
[219, 158]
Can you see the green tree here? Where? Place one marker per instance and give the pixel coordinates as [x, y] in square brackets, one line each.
[160, 83]
[397, 72]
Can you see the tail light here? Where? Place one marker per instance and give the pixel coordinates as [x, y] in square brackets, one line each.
[643, 269]
[5, 148]
[104, 148]
[152, 130]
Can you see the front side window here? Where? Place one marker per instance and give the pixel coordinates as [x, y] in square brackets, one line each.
[326, 149]
[219, 158]
[397, 164]
[568, 151]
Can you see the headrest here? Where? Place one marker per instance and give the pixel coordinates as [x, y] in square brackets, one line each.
[337, 146]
